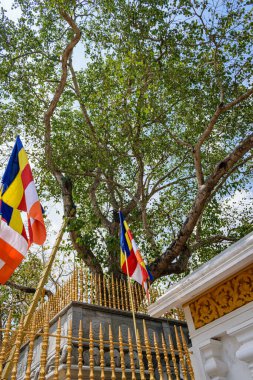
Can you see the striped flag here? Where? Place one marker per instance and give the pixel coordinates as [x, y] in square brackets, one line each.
[130, 252]
[13, 241]
[18, 193]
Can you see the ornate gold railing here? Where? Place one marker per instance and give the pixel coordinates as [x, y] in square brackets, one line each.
[55, 355]
[96, 289]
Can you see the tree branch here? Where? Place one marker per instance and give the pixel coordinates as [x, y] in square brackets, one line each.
[160, 266]
[26, 289]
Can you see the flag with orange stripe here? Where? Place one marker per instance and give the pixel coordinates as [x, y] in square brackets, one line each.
[18, 193]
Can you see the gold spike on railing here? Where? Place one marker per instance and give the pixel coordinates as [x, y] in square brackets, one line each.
[100, 290]
[86, 293]
[111, 348]
[91, 288]
[126, 295]
[181, 355]
[109, 292]
[122, 295]
[96, 299]
[131, 354]
[91, 352]
[69, 351]
[81, 285]
[18, 345]
[148, 352]
[44, 346]
[122, 356]
[57, 350]
[187, 355]
[30, 352]
[165, 354]
[158, 359]
[173, 356]
[69, 290]
[101, 352]
[5, 342]
[140, 356]
[117, 293]
[113, 292]
[104, 292]
[80, 351]
[75, 295]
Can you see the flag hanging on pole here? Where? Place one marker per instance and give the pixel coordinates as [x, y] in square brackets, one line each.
[18, 193]
[129, 251]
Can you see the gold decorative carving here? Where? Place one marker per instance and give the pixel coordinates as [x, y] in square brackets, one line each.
[223, 298]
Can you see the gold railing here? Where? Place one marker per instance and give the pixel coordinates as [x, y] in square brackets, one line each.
[96, 289]
[83, 357]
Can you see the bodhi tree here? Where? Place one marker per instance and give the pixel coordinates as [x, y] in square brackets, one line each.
[140, 106]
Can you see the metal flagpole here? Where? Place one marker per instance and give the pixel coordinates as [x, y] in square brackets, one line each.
[36, 296]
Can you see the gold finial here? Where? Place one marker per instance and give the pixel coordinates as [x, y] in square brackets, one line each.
[18, 345]
[165, 354]
[187, 355]
[44, 346]
[181, 356]
[113, 292]
[117, 294]
[57, 350]
[5, 342]
[69, 351]
[91, 351]
[91, 288]
[109, 292]
[87, 283]
[122, 356]
[158, 359]
[104, 292]
[140, 356]
[173, 356]
[131, 355]
[126, 295]
[81, 285]
[101, 351]
[122, 295]
[30, 352]
[100, 289]
[111, 346]
[80, 351]
[148, 352]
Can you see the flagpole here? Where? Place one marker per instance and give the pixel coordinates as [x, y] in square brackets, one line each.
[37, 295]
[131, 299]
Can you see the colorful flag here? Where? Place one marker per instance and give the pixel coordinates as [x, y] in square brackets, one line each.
[18, 193]
[130, 252]
[13, 241]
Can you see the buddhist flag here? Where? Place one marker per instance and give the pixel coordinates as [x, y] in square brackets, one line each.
[130, 252]
[18, 193]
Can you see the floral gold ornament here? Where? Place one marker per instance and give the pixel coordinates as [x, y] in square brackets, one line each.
[227, 296]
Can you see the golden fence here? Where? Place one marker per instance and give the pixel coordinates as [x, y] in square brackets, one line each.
[54, 355]
[96, 289]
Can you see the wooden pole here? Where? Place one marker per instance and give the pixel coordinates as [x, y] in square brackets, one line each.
[36, 297]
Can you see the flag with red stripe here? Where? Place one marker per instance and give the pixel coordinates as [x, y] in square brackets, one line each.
[130, 256]
[19, 192]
